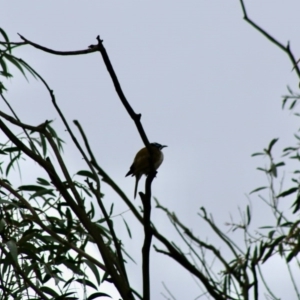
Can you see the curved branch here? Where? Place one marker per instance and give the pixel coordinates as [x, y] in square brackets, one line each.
[286, 48]
[62, 53]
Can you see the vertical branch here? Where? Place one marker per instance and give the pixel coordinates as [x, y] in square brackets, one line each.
[146, 199]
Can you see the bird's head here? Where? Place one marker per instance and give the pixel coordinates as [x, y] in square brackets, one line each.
[157, 145]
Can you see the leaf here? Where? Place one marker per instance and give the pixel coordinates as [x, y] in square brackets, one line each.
[72, 265]
[258, 153]
[11, 149]
[127, 227]
[31, 188]
[11, 163]
[33, 73]
[293, 104]
[13, 250]
[49, 291]
[279, 239]
[96, 295]
[248, 215]
[284, 102]
[296, 204]
[272, 143]
[94, 269]
[264, 170]
[43, 144]
[271, 233]
[273, 170]
[15, 62]
[4, 68]
[288, 192]
[86, 282]
[295, 251]
[5, 36]
[289, 149]
[111, 209]
[290, 90]
[279, 219]
[269, 253]
[86, 173]
[43, 181]
[42, 193]
[258, 189]
[266, 227]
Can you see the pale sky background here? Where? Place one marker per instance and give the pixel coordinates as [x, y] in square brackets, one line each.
[207, 84]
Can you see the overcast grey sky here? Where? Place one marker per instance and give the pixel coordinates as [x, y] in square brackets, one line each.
[206, 83]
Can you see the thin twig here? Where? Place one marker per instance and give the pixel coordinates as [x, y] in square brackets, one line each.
[63, 53]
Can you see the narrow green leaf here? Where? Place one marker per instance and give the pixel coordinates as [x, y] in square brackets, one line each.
[257, 154]
[296, 204]
[28, 68]
[293, 104]
[287, 224]
[294, 253]
[86, 173]
[43, 144]
[31, 188]
[264, 170]
[43, 181]
[279, 219]
[258, 189]
[41, 193]
[5, 36]
[268, 254]
[284, 102]
[11, 163]
[94, 269]
[288, 192]
[290, 90]
[289, 149]
[15, 62]
[272, 143]
[248, 215]
[48, 291]
[273, 170]
[127, 227]
[278, 240]
[13, 250]
[4, 71]
[11, 149]
[86, 282]
[111, 209]
[271, 233]
[97, 295]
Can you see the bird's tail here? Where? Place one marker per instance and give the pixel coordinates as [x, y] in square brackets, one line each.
[137, 178]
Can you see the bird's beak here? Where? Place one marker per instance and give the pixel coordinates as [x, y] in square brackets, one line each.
[164, 146]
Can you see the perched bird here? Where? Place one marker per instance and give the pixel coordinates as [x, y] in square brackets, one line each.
[141, 163]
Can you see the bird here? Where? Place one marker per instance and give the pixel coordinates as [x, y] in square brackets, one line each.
[141, 163]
